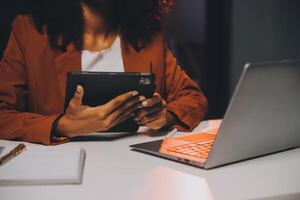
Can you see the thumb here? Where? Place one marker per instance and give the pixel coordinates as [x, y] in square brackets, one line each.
[78, 96]
[156, 94]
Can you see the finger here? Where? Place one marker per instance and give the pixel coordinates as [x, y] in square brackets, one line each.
[136, 101]
[122, 119]
[157, 124]
[131, 110]
[127, 112]
[157, 94]
[150, 117]
[147, 111]
[116, 102]
[129, 106]
[76, 101]
[164, 103]
[153, 101]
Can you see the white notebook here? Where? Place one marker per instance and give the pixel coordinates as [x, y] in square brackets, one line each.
[41, 165]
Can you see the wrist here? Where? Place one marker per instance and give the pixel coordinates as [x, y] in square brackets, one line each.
[55, 133]
[171, 119]
[62, 126]
[175, 122]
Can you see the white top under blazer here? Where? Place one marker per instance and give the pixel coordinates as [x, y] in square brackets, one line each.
[108, 60]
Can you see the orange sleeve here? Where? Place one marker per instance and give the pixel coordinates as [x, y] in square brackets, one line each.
[185, 99]
[15, 122]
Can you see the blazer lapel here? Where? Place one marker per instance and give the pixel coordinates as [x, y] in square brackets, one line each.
[64, 63]
[134, 61]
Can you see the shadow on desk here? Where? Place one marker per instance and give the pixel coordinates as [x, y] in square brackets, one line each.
[116, 136]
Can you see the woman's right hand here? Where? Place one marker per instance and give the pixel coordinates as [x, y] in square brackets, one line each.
[80, 119]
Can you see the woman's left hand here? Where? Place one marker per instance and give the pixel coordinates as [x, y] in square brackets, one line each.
[154, 114]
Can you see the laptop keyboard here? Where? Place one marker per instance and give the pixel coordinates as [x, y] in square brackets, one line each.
[199, 149]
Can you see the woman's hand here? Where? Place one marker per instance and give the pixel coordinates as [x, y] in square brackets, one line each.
[154, 114]
[80, 119]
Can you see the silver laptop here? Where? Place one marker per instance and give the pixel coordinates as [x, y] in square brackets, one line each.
[263, 117]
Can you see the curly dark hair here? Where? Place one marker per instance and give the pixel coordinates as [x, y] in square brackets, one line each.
[136, 20]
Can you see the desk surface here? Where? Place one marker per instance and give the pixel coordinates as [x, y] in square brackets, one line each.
[113, 171]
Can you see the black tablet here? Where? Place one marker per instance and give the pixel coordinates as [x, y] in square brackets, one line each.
[101, 87]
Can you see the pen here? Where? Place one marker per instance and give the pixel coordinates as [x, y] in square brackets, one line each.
[12, 154]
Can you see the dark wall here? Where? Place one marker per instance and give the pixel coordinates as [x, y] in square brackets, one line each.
[185, 28]
[187, 21]
[218, 45]
[8, 10]
[263, 30]
[241, 31]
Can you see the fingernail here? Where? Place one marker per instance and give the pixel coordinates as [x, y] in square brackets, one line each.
[145, 103]
[78, 89]
[134, 93]
[142, 98]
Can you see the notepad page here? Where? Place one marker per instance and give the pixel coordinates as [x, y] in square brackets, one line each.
[44, 165]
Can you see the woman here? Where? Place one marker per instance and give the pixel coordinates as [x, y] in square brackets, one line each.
[92, 35]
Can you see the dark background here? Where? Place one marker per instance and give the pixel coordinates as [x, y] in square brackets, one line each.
[213, 39]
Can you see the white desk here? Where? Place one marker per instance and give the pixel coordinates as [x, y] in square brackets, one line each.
[113, 171]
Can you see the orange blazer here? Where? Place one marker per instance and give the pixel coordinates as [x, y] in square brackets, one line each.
[33, 78]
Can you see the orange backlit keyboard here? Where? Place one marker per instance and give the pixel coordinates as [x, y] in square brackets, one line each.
[199, 149]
